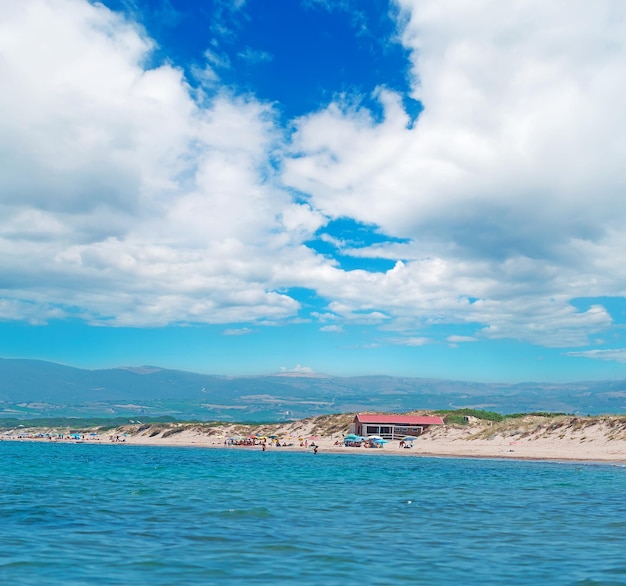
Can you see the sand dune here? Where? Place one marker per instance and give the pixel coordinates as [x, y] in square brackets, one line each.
[530, 437]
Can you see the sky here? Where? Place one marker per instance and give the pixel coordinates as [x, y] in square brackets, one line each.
[428, 188]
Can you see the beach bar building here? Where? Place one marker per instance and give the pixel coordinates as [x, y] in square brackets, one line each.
[392, 427]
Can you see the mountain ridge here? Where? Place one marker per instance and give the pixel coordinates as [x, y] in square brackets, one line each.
[32, 388]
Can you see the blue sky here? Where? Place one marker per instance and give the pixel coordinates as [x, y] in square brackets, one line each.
[428, 188]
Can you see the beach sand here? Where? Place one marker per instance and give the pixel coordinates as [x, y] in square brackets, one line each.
[598, 439]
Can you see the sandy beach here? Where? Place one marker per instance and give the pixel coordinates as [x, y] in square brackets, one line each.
[599, 439]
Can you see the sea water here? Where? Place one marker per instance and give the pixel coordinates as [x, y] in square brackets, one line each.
[122, 514]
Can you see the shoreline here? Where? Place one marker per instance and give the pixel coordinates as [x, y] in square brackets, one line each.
[532, 438]
[592, 454]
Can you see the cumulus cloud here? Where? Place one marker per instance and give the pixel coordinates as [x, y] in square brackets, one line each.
[509, 187]
[124, 200]
[127, 198]
[336, 329]
[298, 369]
[459, 339]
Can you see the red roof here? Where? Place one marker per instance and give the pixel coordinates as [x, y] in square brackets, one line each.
[399, 419]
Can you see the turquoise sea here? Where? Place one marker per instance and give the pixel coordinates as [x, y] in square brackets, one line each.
[121, 514]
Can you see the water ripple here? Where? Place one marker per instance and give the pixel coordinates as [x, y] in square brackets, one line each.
[78, 514]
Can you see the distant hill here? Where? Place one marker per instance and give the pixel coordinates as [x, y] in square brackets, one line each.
[35, 388]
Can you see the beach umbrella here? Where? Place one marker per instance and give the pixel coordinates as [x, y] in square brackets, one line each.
[379, 440]
[374, 437]
[409, 438]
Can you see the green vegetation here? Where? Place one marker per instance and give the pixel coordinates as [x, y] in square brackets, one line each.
[456, 419]
[460, 416]
[539, 414]
[173, 431]
[324, 424]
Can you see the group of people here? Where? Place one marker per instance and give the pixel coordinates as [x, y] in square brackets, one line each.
[362, 443]
[256, 441]
[265, 442]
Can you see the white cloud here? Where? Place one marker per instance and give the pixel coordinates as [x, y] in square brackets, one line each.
[28, 311]
[410, 341]
[254, 56]
[509, 186]
[126, 198]
[122, 200]
[301, 220]
[460, 339]
[613, 355]
[336, 329]
[324, 317]
[237, 331]
[298, 369]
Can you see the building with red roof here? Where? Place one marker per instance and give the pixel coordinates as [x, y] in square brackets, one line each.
[393, 426]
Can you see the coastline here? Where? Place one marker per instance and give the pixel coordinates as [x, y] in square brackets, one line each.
[563, 438]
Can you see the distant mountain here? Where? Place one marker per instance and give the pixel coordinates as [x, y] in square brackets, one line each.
[35, 388]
